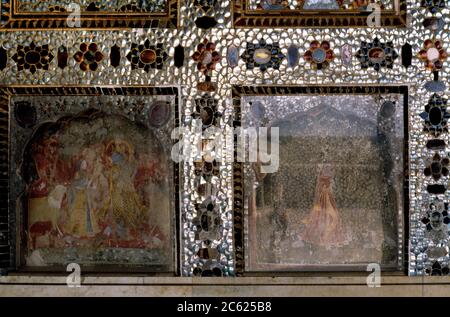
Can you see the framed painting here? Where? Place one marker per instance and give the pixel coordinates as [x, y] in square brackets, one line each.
[338, 199]
[318, 13]
[91, 178]
[87, 14]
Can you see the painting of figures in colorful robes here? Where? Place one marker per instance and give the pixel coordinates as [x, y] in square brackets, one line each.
[98, 192]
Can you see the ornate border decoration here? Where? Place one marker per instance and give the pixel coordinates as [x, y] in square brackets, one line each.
[12, 19]
[239, 214]
[9, 220]
[426, 25]
[243, 17]
[5, 247]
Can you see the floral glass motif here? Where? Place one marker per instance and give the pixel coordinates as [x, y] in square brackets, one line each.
[207, 221]
[89, 57]
[437, 220]
[206, 109]
[435, 115]
[319, 55]
[206, 169]
[33, 57]
[206, 57]
[433, 54]
[147, 56]
[377, 54]
[437, 167]
[263, 55]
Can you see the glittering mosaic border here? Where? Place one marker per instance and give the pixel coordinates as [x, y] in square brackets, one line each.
[428, 254]
[13, 19]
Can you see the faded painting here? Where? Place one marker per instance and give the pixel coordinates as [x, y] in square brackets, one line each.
[336, 201]
[98, 192]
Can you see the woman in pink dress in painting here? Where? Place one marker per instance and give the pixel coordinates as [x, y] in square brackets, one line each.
[323, 225]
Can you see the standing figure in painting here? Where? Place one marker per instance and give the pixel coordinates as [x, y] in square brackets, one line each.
[323, 224]
[126, 210]
[82, 218]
